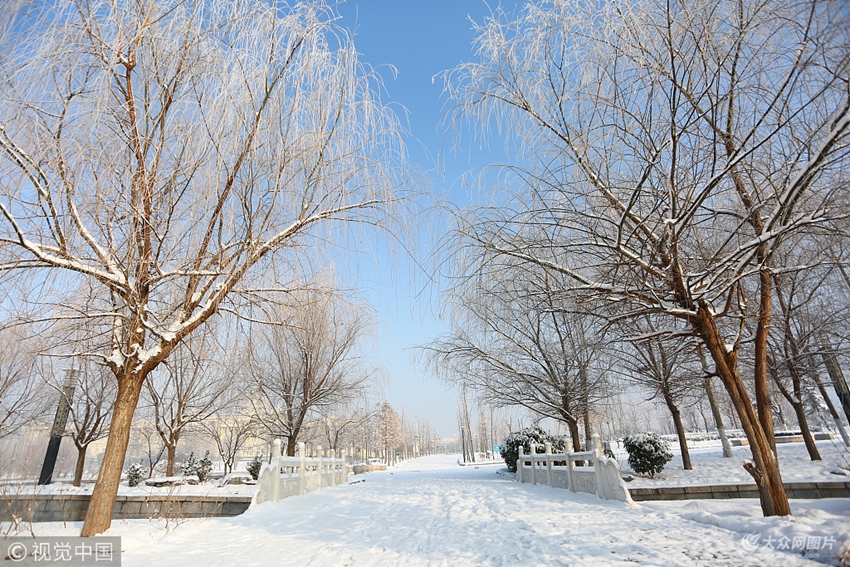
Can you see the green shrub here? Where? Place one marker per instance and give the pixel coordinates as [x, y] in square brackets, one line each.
[198, 467]
[524, 439]
[135, 474]
[648, 453]
[254, 467]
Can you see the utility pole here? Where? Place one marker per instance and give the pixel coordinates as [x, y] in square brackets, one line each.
[59, 423]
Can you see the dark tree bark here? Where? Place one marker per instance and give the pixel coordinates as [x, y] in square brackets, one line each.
[680, 432]
[81, 464]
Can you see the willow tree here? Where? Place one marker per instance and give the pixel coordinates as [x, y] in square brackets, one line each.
[667, 148]
[172, 153]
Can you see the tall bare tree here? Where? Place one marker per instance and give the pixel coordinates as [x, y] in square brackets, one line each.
[22, 386]
[169, 152]
[192, 385]
[388, 429]
[230, 431]
[338, 424]
[94, 394]
[307, 364]
[667, 368]
[666, 150]
[514, 343]
[464, 422]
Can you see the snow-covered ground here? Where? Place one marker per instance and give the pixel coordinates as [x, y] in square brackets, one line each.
[433, 512]
[709, 466]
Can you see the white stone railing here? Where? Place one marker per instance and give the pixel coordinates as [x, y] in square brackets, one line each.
[601, 476]
[292, 476]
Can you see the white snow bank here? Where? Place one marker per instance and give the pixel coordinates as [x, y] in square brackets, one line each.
[818, 528]
[709, 466]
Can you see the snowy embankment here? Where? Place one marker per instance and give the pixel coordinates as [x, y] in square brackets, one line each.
[433, 512]
[709, 466]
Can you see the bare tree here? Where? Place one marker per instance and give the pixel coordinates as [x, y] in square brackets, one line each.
[715, 408]
[464, 422]
[307, 364]
[152, 444]
[192, 385]
[515, 344]
[667, 149]
[22, 386]
[94, 394]
[389, 431]
[230, 431]
[337, 424]
[667, 369]
[168, 152]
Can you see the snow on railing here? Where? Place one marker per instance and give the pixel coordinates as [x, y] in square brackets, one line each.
[601, 476]
[292, 476]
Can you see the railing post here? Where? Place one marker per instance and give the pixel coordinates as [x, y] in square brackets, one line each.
[570, 466]
[597, 445]
[343, 474]
[302, 481]
[519, 465]
[533, 463]
[597, 466]
[333, 467]
[321, 453]
[276, 468]
[549, 463]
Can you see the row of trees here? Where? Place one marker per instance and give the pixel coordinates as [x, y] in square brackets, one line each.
[681, 194]
[166, 163]
[263, 380]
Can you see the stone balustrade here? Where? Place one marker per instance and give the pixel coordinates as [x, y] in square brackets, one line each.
[597, 474]
[291, 476]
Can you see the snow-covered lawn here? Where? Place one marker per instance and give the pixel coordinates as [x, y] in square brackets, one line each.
[433, 512]
[709, 466]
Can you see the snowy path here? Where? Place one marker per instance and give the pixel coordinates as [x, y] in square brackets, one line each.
[435, 513]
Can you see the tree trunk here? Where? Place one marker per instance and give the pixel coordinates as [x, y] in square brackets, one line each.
[762, 391]
[574, 433]
[718, 419]
[463, 445]
[588, 433]
[172, 450]
[813, 374]
[99, 514]
[796, 401]
[765, 468]
[81, 464]
[292, 443]
[835, 373]
[680, 433]
[294, 432]
[804, 427]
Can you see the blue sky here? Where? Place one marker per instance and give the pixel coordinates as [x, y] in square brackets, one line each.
[420, 39]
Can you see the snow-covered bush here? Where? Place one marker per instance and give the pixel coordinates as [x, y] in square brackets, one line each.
[524, 439]
[198, 467]
[254, 467]
[648, 453]
[135, 474]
